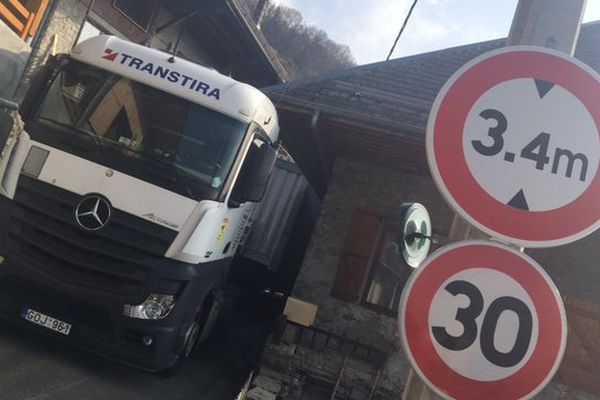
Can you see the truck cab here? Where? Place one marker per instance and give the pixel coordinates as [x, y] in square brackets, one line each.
[125, 198]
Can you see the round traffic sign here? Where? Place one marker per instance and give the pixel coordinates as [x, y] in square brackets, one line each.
[481, 320]
[513, 144]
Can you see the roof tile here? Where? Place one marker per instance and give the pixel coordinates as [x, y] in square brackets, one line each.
[402, 90]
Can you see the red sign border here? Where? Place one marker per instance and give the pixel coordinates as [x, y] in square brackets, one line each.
[447, 162]
[416, 338]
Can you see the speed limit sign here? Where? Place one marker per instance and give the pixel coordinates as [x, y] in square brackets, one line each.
[480, 320]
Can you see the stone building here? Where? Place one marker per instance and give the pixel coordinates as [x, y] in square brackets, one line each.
[219, 33]
[358, 136]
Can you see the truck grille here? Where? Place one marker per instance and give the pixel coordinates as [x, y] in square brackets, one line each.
[119, 259]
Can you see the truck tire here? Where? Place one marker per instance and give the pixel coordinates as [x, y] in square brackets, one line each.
[227, 300]
[199, 325]
[214, 318]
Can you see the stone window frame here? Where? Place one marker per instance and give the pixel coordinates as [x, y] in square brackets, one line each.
[360, 257]
[388, 226]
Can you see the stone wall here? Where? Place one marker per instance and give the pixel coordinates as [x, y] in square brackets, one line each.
[13, 56]
[359, 185]
[59, 33]
[556, 391]
[574, 268]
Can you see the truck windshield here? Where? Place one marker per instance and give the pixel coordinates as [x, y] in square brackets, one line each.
[140, 130]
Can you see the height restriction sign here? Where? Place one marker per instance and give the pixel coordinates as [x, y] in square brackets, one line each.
[513, 144]
[482, 321]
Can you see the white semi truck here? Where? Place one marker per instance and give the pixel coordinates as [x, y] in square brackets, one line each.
[125, 198]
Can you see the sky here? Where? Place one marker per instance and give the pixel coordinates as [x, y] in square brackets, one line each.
[370, 27]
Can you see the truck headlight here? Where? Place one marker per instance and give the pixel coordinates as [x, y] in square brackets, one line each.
[156, 306]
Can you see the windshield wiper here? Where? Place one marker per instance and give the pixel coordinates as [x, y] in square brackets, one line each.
[90, 141]
[73, 130]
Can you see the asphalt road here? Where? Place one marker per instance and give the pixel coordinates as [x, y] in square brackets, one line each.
[35, 367]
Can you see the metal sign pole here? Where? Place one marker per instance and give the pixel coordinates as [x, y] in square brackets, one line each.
[547, 23]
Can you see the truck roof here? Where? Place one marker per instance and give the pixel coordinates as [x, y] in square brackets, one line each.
[180, 78]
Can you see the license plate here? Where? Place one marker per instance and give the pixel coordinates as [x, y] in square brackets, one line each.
[46, 321]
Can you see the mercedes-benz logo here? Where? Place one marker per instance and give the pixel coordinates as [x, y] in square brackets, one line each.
[93, 212]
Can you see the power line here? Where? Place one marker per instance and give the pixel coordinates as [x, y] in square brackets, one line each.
[402, 29]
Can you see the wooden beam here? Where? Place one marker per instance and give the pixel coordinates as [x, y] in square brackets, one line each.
[39, 14]
[25, 31]
[20, 8]
[11, 18]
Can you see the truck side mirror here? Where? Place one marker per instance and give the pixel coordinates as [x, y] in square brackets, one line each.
[261, 172]
[254, 176]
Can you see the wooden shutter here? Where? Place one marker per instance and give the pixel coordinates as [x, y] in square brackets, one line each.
[581, 365]
[356, 257]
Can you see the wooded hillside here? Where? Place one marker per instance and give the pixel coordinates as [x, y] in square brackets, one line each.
[305, 50]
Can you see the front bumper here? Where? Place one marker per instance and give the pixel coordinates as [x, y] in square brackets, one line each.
[99, 326]
[95, 312]
[94, 327]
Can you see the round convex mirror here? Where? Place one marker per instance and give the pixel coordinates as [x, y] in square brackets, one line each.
[415, 233]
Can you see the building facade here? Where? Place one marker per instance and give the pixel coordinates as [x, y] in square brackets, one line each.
[358, 135]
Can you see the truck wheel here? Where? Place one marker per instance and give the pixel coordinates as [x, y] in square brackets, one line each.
[227, 300]
[201, 323]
